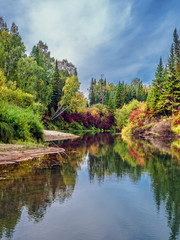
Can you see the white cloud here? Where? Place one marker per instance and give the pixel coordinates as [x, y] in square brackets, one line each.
[73, 29]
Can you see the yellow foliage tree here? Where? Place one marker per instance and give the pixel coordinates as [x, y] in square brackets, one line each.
[72, 97]
[2, 79]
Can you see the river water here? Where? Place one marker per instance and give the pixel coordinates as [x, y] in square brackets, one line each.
[103, 188]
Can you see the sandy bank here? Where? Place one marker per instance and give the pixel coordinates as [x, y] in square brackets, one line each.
[54, 135]
[11, 153]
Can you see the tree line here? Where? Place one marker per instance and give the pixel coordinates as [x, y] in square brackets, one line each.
[164, 97]
[38, 73]
[116, 96]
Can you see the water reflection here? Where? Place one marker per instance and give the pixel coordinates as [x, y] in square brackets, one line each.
[37, 184]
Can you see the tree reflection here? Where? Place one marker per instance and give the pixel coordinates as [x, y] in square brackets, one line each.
[36, 184]
[133, 157]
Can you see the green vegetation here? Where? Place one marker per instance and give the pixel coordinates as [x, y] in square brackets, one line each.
[163, 101]
[39, 85]
[18, 123]
[122, 115]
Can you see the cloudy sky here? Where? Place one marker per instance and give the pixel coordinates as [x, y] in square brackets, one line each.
[121, 39]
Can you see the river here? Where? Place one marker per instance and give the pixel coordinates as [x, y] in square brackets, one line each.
[102, 188]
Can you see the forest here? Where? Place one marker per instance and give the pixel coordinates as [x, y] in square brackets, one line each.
[40, 92]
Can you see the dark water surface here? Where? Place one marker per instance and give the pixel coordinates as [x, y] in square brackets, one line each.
[105, 188]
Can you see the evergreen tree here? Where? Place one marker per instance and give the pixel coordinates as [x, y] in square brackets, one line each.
[57, 88]
[106, 97]
[156, 90]
[172, 84]
[92, 92]
[169, 90]
[3, 25]
[119, 97]
[176, 43]
[111, 104]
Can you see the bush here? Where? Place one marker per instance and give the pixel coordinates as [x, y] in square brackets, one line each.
[175, 124]
[25, 123]
[93, 118]
[38, 108]
[6, 132]
[17, 97]
[122, 115]
[137, 119]
[36, 129]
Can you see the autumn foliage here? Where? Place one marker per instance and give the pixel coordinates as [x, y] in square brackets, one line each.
[88, 120]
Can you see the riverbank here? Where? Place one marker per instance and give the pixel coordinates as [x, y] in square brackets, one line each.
[11, 153]
[147, 128]
[55, 135]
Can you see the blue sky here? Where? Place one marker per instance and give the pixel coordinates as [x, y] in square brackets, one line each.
[121, 39]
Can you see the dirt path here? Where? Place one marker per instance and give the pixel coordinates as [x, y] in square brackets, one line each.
[11, 153]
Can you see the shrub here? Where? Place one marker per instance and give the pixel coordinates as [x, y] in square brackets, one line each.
[175, 124]
[25, 123]
[6, 132]
[17, 97]
[137, 119]
[94, 117]
[36, 129]
[122, 115]
[38, 108]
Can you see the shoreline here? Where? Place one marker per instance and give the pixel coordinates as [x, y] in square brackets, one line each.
[13, 153]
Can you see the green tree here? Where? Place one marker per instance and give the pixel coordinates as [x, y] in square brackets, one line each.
[92, 92]
[119, 97]
[171, 91]
[2, 79]
[57, 88]
[72, 98]
[46, 62]
[111, 103]
[156, 92]
[11, 50]
[176, 43]
[27, 73]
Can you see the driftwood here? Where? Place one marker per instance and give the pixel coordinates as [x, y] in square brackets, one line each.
[58, 113]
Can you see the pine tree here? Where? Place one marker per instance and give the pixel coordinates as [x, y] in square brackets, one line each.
[176, 43]
[3, 25]
[57, 88]
[119, 97]
[156, 90]
[92, 93]
[106, 97]
[111, 104]
[172, 85]
[170, 90]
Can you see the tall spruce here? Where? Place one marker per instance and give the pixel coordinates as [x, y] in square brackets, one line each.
[111, 103]
[176, 43]
[57, 88]
[119, 97]
[156, 90]
[92, 92]
[172, 84]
